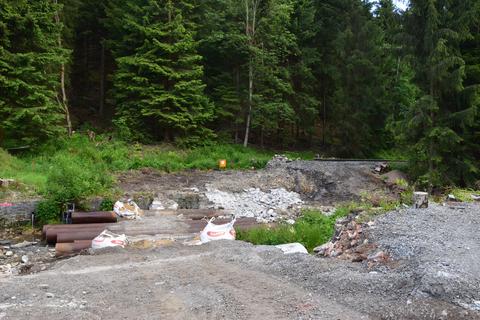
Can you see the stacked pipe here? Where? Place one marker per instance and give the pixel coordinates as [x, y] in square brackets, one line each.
[71, 238]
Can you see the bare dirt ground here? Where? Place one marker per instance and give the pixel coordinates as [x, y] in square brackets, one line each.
[317, 182]
[433, 274]
[431, 269]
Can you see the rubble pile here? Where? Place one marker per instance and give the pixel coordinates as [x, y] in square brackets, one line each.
[278, 160]
[253, 202]
[24, 257]
[350, 242]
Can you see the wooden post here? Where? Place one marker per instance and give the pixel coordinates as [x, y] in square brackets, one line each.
[420, 200]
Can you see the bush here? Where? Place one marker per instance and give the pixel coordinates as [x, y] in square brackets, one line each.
[74, 178]
[106, 205]
[48, 211]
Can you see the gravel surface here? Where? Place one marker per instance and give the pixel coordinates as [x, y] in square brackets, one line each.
[253, 202]
[433, 274]
[439, 247]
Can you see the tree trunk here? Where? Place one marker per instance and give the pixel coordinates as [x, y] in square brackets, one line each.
[64, 101]
[250, 27]
[250, 98]
[324, 129]
[102, 80]
[420, 200]
[261, 137]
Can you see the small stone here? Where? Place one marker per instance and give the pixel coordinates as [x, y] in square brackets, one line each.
[25, 259]
[50, 295]
[9, 253]
[13, 298]
[378, 257]
[4, 242]
[43, 286]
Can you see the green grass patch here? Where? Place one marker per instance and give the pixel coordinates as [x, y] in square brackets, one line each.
[464, 195]
[311, 230]
[76, 168]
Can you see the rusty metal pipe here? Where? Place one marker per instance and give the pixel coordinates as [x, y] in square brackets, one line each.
[63, 249]
[52, 235]
[52, 230]
[63, 237]
[94, 217]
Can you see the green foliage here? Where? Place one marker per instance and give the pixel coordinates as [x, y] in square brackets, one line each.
[465, 195]
[436, 129]
[107, 205]
[159, 73]
[343, 77]
[76, 168]
[30, 60]
[48, 211]
[74, 178]
[312, 229]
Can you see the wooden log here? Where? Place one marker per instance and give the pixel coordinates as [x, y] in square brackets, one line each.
[420, 200]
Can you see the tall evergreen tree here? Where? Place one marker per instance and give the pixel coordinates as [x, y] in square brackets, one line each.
[353, 76]
[435, 125]
[30, 64]
[158, 87]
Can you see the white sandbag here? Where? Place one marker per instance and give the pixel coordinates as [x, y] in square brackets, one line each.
[218, 231]
[129, 210]
[292, 248]
[109, 239]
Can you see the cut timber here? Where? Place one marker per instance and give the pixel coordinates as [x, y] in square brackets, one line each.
[420, 200]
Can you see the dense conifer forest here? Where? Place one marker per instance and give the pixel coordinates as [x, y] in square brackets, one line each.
[343, 78]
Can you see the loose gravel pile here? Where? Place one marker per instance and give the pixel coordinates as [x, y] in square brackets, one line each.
[253, 202]
[439, 247]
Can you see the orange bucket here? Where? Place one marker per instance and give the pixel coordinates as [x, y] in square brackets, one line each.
[222, 164]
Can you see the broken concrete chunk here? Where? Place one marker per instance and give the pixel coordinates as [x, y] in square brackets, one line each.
[166, 204]
[289, 248]
[324, 249]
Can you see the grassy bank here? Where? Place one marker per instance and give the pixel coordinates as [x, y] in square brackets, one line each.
[76, 168]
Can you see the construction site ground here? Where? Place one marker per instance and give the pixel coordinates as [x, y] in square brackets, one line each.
[432, 270]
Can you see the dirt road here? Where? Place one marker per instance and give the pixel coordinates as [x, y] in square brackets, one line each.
[222, 280]
[432, 273]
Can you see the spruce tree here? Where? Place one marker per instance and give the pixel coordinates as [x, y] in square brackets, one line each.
[30, 62]
[435, 126]
[158, 87]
